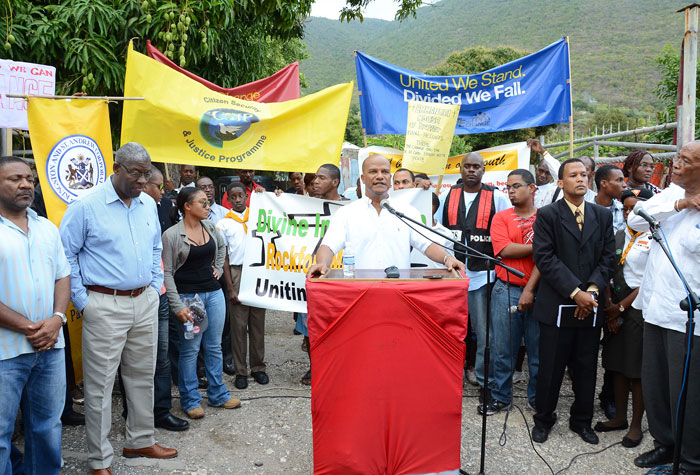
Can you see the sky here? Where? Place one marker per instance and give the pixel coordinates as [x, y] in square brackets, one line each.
[383, 9]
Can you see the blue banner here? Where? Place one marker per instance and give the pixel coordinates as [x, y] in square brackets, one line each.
[529, 92]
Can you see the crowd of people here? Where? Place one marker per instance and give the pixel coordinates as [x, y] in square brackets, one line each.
[155, 270]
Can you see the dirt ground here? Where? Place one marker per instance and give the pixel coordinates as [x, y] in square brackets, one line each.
[271, 433]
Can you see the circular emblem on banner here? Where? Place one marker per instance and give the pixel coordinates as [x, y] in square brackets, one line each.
[74, 165]
[218, 126]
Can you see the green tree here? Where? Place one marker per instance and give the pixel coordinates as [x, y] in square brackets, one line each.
[227, 42]
[669, 65]
[353, 128]
[353, 9]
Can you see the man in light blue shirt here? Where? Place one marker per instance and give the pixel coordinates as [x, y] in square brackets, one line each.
[112, 241]
[33, 296]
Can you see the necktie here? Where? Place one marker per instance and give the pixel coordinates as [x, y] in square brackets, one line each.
[579, 219]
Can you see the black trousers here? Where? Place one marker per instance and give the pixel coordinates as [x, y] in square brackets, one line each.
[559, 348]
[663, 359]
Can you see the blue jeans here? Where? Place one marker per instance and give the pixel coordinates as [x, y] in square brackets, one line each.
[210, 340]
[477, 319]
[506, 334]
[161, 382]
[37, 381]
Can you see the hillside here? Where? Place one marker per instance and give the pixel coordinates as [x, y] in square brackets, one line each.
[613, 44]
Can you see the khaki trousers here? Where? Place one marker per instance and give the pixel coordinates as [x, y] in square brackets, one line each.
[247, 329]
[119, 330]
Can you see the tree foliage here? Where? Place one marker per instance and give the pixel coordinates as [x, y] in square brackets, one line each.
[228, 42]
[353, 10]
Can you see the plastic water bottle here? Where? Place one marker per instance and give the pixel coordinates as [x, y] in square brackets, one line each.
[189, 330]
[348, 261]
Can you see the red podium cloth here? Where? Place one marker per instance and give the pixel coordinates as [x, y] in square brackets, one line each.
[387, 361]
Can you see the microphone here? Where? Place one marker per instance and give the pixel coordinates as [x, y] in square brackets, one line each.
[639, 211]
[385, 204]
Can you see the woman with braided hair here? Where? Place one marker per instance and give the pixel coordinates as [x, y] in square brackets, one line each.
[638, 169]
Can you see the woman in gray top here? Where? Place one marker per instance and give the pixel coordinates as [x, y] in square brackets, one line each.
[193, 257]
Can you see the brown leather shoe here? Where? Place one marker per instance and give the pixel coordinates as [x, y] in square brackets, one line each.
[102, 471]
[155, 451]
[232, 403]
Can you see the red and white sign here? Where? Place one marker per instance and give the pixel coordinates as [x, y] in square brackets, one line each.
[22, 78]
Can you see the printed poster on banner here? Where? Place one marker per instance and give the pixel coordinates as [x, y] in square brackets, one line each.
[284, 233]
[528, 92]
[28, 79]
[72, 145]
[429, 134]
[182, 121]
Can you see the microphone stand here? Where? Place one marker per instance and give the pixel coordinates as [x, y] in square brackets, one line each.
[689, 304]
[471, 252]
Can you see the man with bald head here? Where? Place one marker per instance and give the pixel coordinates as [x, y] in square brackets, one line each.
[469, 208]
[677, 208]
[378, 238]
[112, 241]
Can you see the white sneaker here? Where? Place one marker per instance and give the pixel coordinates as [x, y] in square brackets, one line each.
[518, 376]
[471, 376]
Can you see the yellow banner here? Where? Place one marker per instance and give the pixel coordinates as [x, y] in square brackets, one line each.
[72, 146]
[182, 121]
[429, 131]
[494, 161]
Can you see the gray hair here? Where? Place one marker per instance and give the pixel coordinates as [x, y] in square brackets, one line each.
[132, 152]
[155, 171]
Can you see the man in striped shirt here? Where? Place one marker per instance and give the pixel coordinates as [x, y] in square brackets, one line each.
[33, 296]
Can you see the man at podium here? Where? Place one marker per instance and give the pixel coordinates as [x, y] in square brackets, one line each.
[378, 238]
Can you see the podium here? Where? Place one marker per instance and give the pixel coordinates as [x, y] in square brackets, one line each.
[387, 358]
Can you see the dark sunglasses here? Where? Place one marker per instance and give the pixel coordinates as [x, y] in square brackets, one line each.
[160, 187]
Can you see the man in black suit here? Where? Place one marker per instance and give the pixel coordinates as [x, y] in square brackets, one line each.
[574, 249]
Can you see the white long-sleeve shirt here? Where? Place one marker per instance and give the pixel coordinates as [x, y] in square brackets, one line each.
[661, 290]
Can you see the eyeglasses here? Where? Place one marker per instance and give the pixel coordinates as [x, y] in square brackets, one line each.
[649, 166]
[160, 186]
[206, 187]
[205, 203]
[515, 186]
[137, 174]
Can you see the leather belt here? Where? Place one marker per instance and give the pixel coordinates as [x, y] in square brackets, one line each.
[121, 293]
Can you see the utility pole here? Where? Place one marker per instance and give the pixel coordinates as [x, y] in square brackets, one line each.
[686, 119]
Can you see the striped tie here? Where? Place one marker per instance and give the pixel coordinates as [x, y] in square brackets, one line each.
[579, 219]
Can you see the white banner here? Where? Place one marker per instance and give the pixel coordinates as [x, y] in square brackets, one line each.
[25, 79]
[284, 233]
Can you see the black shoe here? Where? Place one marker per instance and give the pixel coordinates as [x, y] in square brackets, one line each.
[601, 427]
[202, 382]
[630, 443]
[609, 410]
[171, 423]
[493, 407]
[540, 434]
[229, 369]
[586, 433]
[260, 377]
[658, 456]
[241, 382]
[74, 419]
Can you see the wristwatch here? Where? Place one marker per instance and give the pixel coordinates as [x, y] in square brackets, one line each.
[64, 319]
[594, 294]
[622, 308]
